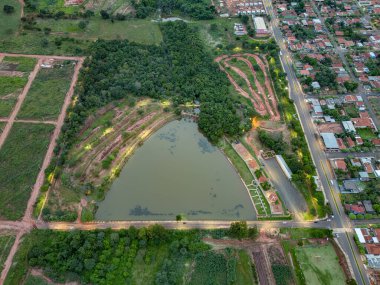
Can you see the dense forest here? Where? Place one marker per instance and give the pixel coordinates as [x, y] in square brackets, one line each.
[179, 69]
[152, 255]
[198, 9]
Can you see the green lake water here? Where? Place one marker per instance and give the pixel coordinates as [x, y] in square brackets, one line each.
[177, 171]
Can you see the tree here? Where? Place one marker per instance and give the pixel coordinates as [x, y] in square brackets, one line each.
[104, 14]
[245, 19]
[82, 25]
[352, 216]
[8, 9]
[350, 86]
[253, 232]
[178, 218]
[238, 230]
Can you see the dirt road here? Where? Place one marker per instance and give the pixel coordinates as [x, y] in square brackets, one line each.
[29, 121]
[44, 57]
[20, 100]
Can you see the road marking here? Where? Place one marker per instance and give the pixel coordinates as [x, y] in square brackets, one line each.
[331, 190]
[356, 261]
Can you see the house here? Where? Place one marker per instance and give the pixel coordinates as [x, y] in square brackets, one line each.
[348, 126]
[315, 85]
[361, 234]
[259, 24]
[330, 141]
[355, 208]
[363, 176]
[376, 141]
[350, 142]
[352, 186]
[373, 261]
[373, 248]
[368, 207]
[339, 163]
[362, 123]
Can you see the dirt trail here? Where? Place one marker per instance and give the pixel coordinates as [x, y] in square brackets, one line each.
[9, 260]
[29, 121]
[53, 142]
[76, 58]
[22, 4]
[20, 100]
[263, 103]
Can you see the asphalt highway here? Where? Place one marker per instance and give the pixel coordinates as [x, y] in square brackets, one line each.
[320, 160]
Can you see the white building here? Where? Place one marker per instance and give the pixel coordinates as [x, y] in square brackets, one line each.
[260, 26]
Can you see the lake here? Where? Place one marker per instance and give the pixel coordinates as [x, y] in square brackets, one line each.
[177, 171]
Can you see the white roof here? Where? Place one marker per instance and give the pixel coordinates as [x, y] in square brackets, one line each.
[330, 140]
[349, 126]
[360, 235]
[259, 23]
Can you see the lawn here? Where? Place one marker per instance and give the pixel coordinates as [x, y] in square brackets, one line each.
[366, 133]
[320, 265]
[9, 23]
[23, 153]
[46, 95]
[24, 64]
[6, 242]
[136, 30]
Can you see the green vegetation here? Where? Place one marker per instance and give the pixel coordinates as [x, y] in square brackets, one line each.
[10, 84]
[247, 177]
[6, 241]
[46, 95]
[282, 274]
[9, 22]
[140, 31]
[24, 64]
[150, 255]
[299, 233]
[23, 152]
[366, 133]
[200, 10]
[317, 272]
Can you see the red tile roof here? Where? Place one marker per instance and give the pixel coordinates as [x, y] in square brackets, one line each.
[373, 248]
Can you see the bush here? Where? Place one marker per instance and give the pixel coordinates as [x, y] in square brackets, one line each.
[8, 9]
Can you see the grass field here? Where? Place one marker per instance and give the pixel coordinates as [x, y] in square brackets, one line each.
[137, 30]
[9, 23]
[10, 84]
[6, 242]
[320, 265]
[23, 153]
[46, 95]
[10, 88]
[366, 133]
[24, 64]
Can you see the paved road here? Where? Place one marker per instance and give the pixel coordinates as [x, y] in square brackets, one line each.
[375, 154]
[318, 155]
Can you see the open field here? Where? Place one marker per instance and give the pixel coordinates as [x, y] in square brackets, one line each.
[46, 95]
[320, 265]
[105, 143]
[6, 241]
[10, 88]
[9, 23]
[23, 64]
[136, 30]
[23, 152]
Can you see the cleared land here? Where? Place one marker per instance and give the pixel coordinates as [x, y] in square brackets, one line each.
[320, 265]
[22, 64]
[106, 141]
[10, 88]
[23, 152]
[47, 93]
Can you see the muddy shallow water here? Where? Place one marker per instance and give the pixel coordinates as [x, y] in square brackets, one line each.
[177, 171]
